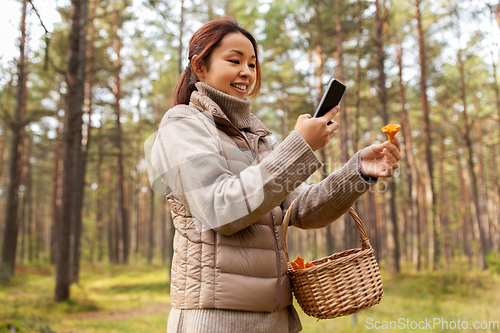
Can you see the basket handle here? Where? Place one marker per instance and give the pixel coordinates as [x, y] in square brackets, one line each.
[365, 242]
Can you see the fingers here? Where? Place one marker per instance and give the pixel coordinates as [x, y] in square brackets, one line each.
[333, 125]
[396, 142]
[387, 169]
[332, 113]
[378, 149]
[391, 158]
[392, 151]
[317, 131]
[332, 128]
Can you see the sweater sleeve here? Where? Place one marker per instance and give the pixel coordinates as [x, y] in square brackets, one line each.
[320, 204]
[187, 154]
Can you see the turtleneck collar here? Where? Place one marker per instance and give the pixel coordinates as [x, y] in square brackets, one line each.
[235, 109]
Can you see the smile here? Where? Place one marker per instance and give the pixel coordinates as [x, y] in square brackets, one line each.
[239, 86]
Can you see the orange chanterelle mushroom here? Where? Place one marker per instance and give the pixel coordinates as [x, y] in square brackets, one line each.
[391, 130]
[299, 264]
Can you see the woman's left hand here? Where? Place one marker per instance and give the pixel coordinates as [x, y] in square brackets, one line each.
[381, 160]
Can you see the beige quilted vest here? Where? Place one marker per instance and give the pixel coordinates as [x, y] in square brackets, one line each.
[244, 271]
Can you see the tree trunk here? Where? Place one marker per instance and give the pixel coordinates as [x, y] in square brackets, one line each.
[392, 225]
[22, 203]
[122, 216]
[99, 198]
[496, 88]
[151, 226]
[339, 55]
[409, 157]
[28, 198]
[357, 89]
[82, 145]
[474, 186]
[75, 77]
[3, 138]
[9, 244]
[494, 194]
[56, 194]
[482, 194]
[99, 221]
[110, 204]
[24, 220]
[78, 189]
[181, 45]
[469, 213]
[350, 235]
[38, 218]
[135, 180]
[430, 195]
[444, 240]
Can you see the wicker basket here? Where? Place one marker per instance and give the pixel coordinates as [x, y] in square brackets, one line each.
[338, 285]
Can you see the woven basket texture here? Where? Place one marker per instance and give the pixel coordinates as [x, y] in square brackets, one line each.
[340, 284]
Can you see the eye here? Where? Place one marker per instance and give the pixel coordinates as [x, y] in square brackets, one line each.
[252, 66]
[234, 61]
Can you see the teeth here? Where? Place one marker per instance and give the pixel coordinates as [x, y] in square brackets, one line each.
[239, 86]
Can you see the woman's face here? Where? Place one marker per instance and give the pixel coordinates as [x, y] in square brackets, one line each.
[232, 66]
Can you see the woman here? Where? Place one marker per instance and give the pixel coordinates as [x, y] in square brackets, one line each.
[229, 185]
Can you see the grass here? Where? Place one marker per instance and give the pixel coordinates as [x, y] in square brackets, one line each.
[428, 300]
[107, 299]
[135, 299]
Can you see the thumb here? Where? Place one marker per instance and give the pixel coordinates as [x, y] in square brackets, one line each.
[378, 148]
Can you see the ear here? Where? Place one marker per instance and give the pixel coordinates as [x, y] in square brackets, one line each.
[198, 68]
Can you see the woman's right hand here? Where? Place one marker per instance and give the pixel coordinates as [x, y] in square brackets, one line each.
[317, 131]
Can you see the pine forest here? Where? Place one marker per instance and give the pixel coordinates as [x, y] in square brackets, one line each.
[81, 102]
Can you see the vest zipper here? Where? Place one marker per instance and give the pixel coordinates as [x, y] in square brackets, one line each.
[275, 240]
[215, 266]
[278, 261]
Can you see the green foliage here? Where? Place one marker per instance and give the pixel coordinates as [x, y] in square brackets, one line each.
[493, 262]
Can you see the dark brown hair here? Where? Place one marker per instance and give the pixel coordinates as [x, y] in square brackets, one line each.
[203, 42]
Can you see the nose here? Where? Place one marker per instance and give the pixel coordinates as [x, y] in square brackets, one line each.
[245, 71]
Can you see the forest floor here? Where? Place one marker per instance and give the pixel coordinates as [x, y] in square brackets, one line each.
[135, 298]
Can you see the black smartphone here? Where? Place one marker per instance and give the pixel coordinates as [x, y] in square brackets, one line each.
[331, 97]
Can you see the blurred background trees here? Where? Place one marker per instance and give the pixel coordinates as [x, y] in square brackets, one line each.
[430, 66]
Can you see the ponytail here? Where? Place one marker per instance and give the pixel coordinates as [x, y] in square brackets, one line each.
[185, 86]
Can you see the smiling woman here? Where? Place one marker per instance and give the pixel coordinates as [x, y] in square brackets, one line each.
[229, 184]
[228, 45]
[233, 66]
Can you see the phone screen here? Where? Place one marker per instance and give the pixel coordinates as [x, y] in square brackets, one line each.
[331, 97]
